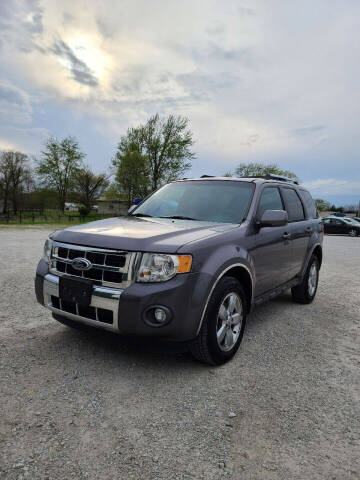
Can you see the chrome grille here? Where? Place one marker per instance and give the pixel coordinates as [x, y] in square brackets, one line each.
[112, 268]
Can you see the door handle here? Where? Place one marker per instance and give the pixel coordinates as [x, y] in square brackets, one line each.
[286, 236]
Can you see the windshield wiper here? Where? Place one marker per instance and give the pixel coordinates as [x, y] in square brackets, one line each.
[180, 217]
[140, 215]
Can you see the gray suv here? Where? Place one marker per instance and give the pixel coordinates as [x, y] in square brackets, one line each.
[188, 263]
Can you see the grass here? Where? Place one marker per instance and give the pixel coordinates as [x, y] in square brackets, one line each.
[50, 217]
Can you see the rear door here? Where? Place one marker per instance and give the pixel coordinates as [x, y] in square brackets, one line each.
[300, 228]
[272, 252]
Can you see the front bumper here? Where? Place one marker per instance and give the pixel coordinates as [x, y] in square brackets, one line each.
[103, 298]
[183, 296]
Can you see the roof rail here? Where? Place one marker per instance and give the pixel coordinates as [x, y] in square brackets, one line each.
[270, 176]
[207, 176]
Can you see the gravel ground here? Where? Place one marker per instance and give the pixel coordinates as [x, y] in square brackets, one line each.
[98, 406]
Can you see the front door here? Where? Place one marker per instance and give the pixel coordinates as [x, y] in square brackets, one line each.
[339, 226]
[272, 252]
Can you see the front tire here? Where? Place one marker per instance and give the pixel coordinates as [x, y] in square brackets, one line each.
[352, 232]
[223, 324]
[306, 291]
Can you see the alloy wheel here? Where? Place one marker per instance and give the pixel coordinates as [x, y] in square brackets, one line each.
[313, 279]
[229, 321]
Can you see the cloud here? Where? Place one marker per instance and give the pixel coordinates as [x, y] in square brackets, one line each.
[308, 130]
[79, 70]
[26, 139]
[333, 186]
[20, 24]
[15, 104]
[259, 82]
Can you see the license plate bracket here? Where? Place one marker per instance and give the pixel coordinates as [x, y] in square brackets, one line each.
[78, 290]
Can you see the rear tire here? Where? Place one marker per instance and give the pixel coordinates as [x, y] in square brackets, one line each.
[306, 291]
[223, 324]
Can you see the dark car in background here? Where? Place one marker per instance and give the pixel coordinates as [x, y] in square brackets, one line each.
[341, 225]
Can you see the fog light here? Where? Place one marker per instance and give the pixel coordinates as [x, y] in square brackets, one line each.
[160, 315]
[157, 316]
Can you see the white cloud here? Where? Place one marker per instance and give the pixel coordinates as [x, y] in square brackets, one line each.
[333, 186]
[15, 104]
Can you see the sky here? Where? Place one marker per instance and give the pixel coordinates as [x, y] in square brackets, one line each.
[265, 81]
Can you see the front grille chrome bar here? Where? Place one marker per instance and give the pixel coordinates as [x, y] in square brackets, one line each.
[108, 268]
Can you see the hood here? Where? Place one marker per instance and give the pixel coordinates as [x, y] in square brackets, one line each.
[140, 234]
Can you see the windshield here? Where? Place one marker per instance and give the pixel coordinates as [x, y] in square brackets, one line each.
[209, 201]
[349, 220]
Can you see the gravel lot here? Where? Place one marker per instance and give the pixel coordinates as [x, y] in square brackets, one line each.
[98, 406]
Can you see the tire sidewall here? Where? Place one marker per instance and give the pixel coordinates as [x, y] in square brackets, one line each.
[225, 286]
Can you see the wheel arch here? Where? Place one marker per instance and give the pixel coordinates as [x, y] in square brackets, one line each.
[241, 273]
[317, 251]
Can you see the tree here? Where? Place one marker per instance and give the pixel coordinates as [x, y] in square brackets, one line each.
[165, 142]
[59, 165]
[14, 174]
[322, 205]
[90, 187]
[259, 169]
[132, 176]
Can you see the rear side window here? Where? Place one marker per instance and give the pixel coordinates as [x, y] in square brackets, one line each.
[270, 200]
[293, 205]
[309, 203]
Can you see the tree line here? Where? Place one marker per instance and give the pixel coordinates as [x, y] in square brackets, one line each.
[147, 156]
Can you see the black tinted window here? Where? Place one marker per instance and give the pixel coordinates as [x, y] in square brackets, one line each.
[293, 205]
[309, 203]
[270, 200]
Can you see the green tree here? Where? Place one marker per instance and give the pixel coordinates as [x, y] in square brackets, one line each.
[89, 187]
[322, 205]
[14, 175]
[167, 145]
[60, 162]
[132, 175]
[259, 169]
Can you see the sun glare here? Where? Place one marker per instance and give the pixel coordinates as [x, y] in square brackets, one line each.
[86, 49]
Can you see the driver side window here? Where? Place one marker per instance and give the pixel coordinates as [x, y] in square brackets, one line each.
[270, 200]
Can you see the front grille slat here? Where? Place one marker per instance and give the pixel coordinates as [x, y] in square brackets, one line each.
[92, 313]
[109, 268]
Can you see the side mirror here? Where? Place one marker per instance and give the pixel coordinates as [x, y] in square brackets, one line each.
[131, 209]
[273, 218]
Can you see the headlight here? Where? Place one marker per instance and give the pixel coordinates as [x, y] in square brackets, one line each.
[47, 250]
[159, 267]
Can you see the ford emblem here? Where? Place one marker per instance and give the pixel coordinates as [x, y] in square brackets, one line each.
[81, 264]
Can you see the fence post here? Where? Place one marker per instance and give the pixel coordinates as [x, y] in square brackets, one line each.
[20, 219]
[33, 218]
